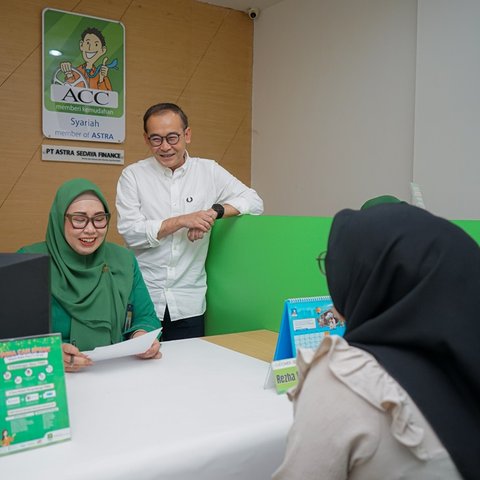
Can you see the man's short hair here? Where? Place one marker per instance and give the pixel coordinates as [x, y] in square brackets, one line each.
[164, 107]
[94, 31]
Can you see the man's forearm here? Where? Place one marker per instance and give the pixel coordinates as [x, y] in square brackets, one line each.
[230, 211]
[201, 220]
[169, 226]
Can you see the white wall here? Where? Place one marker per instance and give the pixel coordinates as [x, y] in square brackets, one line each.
[447, 126]
[333, 103]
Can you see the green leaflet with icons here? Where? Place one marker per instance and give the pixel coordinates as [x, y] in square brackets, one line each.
[33, 397]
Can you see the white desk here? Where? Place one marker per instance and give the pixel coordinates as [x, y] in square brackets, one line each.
[198, 413]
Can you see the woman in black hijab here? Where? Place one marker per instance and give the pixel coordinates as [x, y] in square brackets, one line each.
[403, 386]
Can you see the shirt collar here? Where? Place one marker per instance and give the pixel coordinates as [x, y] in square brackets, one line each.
[180, 171]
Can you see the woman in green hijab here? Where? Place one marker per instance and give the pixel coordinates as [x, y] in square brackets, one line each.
[99, 296]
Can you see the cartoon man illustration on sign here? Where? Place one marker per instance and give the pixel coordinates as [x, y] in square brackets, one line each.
[92, 46]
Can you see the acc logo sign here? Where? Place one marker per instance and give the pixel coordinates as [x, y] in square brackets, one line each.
[84, 96]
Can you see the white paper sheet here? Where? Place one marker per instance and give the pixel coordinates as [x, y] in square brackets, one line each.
[133, 346]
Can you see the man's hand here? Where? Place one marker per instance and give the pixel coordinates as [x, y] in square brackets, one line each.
[198, 223]
[201, 220]
[195, 234]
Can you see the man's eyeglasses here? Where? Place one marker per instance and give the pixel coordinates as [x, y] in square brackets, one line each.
[321, 262]
[157, 140]
[79, 221]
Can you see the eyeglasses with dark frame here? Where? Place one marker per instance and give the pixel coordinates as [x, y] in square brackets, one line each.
[157, 140]
[321, 262]
[80, 221]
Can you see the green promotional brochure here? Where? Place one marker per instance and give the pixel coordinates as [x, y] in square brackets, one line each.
[33, 397]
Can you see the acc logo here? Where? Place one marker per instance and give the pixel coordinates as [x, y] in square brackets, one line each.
[84, 96]
[99, 97]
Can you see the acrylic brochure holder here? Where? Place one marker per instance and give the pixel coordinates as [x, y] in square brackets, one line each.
[33, 396]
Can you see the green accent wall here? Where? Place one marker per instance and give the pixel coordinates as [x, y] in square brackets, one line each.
[256, 262]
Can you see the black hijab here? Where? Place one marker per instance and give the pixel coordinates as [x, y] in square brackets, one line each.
[408, 284]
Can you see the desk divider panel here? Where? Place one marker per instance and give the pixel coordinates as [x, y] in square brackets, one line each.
[472, 227]
[256, 262]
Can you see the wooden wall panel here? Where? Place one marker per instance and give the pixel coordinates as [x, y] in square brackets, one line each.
[181, 51]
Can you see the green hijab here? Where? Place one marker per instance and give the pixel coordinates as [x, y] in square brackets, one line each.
[93, 289]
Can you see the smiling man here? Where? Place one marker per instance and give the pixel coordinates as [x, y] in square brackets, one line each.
[167, 205]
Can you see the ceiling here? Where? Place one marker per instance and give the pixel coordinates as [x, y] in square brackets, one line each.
[243, 4]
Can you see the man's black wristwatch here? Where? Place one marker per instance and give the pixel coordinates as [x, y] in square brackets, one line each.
[219, 209]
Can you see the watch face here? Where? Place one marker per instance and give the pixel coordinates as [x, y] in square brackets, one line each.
[219, 209]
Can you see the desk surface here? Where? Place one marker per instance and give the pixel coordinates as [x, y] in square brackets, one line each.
[198, 413]
[258, 343]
